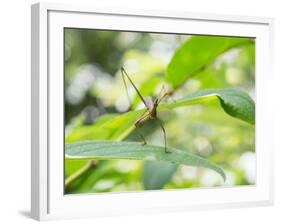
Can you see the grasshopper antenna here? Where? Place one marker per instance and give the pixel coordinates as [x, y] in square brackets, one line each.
[123, 72]
[125, 84]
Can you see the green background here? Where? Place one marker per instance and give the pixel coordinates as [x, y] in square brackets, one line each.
[94, 93]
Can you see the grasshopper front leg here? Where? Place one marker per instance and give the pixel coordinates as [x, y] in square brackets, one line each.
[139, 123]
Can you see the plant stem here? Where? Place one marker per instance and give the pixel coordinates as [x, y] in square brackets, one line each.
[89, 165]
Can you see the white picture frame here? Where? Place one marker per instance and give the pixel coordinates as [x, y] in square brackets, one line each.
[48, 200]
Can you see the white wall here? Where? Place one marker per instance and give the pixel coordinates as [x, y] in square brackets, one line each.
[15, 122]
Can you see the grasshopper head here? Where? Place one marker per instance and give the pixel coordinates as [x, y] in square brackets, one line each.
[149, 103]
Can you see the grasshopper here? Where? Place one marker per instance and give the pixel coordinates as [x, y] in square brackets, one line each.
[151, 105]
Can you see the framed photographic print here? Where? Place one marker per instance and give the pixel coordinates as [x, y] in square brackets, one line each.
[146, 111]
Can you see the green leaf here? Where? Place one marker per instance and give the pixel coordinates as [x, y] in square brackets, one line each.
[157, 174]
[72, 166]
[197, 53]
[234, 101]
[135, 151]
[116, 128]
[89, 178]
[91, 131]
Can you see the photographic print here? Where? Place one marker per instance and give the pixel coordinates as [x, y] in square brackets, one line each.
[157, 111]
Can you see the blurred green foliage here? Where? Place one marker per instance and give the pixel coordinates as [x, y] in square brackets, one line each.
[95, 97]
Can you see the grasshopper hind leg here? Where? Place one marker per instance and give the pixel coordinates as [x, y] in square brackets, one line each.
[164, 133]
[140, 134]
[139, 123]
